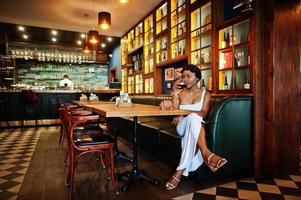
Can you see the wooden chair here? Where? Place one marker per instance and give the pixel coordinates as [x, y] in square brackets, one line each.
[79, 130]
[88, 142]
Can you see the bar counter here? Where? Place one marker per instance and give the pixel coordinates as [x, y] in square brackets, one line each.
[15, 105]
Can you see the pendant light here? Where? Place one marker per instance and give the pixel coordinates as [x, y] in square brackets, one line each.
[123, 1]
[86, 48]
[104, 20]
[93, 37]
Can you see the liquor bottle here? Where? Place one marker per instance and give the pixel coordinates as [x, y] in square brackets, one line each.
[228, 39]
[196, 58]
[210, 83]
[224, 41]
[164, 56]
[203, 84]
[247, 84]
[226, 86]
[180, 30]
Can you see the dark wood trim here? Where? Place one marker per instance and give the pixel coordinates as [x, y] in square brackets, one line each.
[277, 90]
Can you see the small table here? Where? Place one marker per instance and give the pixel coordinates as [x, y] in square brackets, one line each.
[135, 111]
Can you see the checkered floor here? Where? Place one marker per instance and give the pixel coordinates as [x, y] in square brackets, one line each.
[16, 149]
[286, 188]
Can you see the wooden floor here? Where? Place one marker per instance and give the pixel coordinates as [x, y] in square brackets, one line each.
[45, 178]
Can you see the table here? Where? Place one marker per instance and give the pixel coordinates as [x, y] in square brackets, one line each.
[135, 111]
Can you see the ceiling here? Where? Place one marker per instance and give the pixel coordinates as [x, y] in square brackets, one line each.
[69, 14]
[43, 36]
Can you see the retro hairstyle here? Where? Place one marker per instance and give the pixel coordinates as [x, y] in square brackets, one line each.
[193, 69]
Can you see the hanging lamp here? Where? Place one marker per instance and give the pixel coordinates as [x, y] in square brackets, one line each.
[86, 48]
[104, 20]
[123, 1]
[93, 37]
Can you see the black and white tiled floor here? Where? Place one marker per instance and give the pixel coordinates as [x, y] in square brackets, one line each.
[284, 188]
[16, 149]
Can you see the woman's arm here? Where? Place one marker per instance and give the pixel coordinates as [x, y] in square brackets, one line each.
[176, 96]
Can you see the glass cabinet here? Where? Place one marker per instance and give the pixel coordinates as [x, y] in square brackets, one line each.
[149, 50]
[201, 44]
[131, 40]
[149, 85]
[138, 83]
[178, 28]
[131, 84]
[148, 45]
[234, 57]
[161, 49]
[161, 19]
[124, 50]
[124, 79]
[139, 36]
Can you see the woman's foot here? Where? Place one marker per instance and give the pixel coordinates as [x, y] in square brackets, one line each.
[173, 182]
[214, 162]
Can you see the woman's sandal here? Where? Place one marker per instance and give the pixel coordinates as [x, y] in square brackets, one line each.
[220, 163]
[170, 186]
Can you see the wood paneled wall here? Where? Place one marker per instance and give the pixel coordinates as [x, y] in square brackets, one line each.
[277, 95]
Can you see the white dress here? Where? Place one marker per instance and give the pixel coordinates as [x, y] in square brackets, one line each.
[189, 128]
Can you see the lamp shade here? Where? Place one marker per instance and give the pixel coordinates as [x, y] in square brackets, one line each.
[87, 48]
[104, 20]
[93, 37]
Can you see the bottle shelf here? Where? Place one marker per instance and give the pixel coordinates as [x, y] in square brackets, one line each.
[234, 57]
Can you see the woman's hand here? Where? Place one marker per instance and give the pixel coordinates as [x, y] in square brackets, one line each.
[176, 89]
[175, 120]
[166, 105]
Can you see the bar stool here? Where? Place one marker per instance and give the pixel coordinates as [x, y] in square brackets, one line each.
[3, 111]
[90, 142]
[30, 103]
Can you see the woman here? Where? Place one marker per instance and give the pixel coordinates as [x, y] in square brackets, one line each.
[194, 149]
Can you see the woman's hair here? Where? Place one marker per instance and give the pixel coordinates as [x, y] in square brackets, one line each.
[193, 69]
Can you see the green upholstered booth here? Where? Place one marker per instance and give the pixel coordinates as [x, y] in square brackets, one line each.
[228, 133]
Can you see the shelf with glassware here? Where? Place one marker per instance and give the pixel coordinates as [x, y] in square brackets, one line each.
[234, 68]
[201, 42]
[149, 49]
[48, 74]
[178, 29]
[161, 18]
